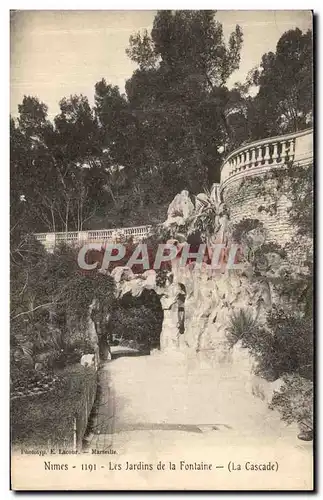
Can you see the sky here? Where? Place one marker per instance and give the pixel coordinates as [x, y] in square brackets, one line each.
[54, 54]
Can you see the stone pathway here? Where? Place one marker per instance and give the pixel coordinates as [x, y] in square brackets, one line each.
[172, 408]
[150, 392]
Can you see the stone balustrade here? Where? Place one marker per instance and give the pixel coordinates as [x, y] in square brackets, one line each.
[255, 158]
[79, 238]
[260, 156]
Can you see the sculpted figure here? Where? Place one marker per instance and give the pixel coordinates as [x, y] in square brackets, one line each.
[179, 211]
[172, 301]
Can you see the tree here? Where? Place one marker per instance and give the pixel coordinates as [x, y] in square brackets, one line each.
[181, 123]
[32, 120]
[142, 50]
[32, 167]
[77, 134]
[52, 167]
[117, 123]
[284, 102]
[190, 43]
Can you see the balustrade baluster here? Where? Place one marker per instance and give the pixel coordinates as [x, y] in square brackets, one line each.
[283, 153]
[231, 169]
[267, 155]
[239, 162]
[244, 161]
[260, 155]
[275, 152]
[256, 154]
[292, 149]
[252, 157]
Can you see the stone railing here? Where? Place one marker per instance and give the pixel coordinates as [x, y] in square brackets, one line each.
[260, 156]
[79, 238]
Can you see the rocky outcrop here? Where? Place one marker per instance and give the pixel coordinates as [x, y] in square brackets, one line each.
[208, 299]
[128, 282]
[199, 302]
[172, 297]
[212, 298]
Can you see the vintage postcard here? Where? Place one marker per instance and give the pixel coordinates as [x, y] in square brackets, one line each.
[161, 250]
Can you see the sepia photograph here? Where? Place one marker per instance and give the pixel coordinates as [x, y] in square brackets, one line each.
[161, 250]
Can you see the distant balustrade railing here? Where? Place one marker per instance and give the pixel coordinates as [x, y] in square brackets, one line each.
[259, 156]
[50, 240]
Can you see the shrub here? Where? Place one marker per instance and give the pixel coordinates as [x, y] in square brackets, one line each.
[47, 419]
[295, 400]
[242, 228]
[285, 346]
[50, 305]
[241, 327]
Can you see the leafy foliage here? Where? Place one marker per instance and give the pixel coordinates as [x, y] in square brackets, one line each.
[242, 228]
[295, 400]
[137, 322]
[285, 79]
[203, 221]
[50, 299]
[283, 347]
[47, 419]
[242, 326]
[95, 166]
[301, 194]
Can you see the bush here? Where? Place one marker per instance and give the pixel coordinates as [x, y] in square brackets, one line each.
[241, 327]
[284, 347]
[47, 419]
[242, 228]
[50, 299]
[295, 401]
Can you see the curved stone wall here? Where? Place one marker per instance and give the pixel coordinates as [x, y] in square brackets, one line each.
[244, 202]
[242, 197]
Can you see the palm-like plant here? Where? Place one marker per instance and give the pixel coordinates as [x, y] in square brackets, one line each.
[242, 325]
[209, 208]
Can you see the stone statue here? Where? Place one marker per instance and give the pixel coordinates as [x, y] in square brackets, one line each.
[179, 210]
[172, 301]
